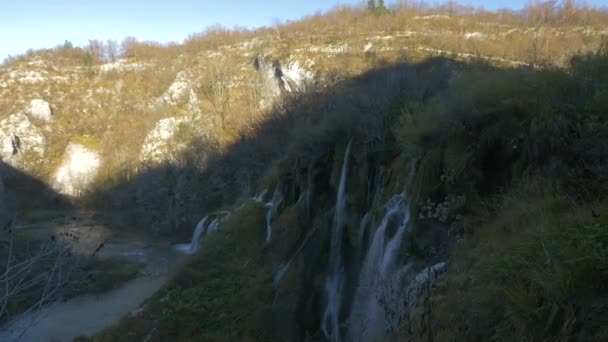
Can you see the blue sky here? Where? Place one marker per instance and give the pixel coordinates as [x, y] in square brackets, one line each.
[46, 23]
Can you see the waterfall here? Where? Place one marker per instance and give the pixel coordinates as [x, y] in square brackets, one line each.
[194, 245]
[335, 276]
[202, 228]
[214, 226]
[260, 197]
[378, 279]
[272, 206]
[363, 229]
[283, 268]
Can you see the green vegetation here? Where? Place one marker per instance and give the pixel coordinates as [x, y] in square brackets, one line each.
[527, 149]
[507, 131]
[509, 188]
[221, 294]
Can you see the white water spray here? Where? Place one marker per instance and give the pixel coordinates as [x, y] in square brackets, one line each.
[194, 245]
[260, 197]
[272, 206]
[363, 229]
[377, 272]
[201, 229]
[335, 277]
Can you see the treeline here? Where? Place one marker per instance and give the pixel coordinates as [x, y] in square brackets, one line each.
[372, 16]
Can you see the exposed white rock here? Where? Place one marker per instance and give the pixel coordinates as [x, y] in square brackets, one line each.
[276, 79]
[19, 137]
[78, 169]
[368, 47]
[178, 89]
[27, 77]
[60, 79]
[295, 78]
[474, 35]
[40, 110]
[122, 65]
[431, 17]
[158, 145]
[193, 105]
[330, 49]
[38, 63]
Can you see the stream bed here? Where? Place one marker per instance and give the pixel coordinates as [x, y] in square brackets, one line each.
[88, 314]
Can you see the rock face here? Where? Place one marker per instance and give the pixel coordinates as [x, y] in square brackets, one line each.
[295, 78]
[40, 110]
[77, 171]
[159, 145]
[19, 137]
[178, 89]
[122, 65]
[278, 79]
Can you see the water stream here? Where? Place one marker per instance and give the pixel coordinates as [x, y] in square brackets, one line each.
[335, 277]
[272, 206]
[86, 315]
[379, 276]
[194, 245]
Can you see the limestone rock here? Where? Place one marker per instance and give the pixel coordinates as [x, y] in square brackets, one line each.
[158, 145]
[277, 79]
[18, 138]
[177, 90]
[40, 109]
[78, 169]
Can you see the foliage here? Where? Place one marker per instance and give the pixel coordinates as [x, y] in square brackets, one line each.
[223, 292]
[528, 149]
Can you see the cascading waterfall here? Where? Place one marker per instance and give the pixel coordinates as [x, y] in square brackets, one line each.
[278, 276]
[378, 273]
[272, 206]
[201, 229]
[335, 276]
[194, 245]
[260, 197]
[363, 229]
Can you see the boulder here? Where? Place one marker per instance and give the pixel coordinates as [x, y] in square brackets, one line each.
[178, 89]
[77, 170]
[18, 138]
[40, 110]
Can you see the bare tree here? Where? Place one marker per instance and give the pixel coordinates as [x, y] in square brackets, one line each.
[111, 50]
[95, 49]
[35, 274]
[217, 90]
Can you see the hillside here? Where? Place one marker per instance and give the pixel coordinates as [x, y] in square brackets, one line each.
[407, 174]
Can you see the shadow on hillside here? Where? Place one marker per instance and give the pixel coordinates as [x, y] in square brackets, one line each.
[299, 148]
[21, 193]
[303, 131]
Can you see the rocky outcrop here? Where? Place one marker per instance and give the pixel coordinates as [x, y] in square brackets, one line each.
[278, 79]
[123, 65]
[27, 76]
[178, 89]
[159, 145]
[78, 169]
[40, 110]
[20, 138]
